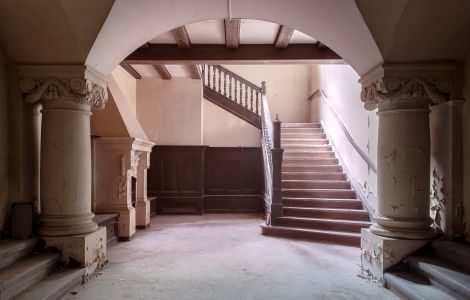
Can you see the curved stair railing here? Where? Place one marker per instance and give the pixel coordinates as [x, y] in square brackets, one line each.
[248, 101]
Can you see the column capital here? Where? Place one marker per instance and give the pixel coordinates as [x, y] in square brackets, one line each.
[75, 83]
[437, 83]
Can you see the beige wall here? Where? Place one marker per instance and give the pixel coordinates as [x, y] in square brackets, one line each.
[222, 129]
[127, 85]
[288, 87]
[3, 141]
[170, 111]
[342, 90]
[108, 122]
[466, 149]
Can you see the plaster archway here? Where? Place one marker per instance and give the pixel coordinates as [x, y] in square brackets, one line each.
[337, 24]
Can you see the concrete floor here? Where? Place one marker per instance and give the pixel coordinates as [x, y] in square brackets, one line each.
[226, 257]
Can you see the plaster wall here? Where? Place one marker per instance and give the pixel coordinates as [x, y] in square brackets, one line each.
[170, 111]
[108, 122]
[3, 140]
[466, 149]
[128, 86]
[342, 104]
[222, 129]
[287, 86]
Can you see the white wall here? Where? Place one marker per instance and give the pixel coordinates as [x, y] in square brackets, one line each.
[342, 90]
[128, 86]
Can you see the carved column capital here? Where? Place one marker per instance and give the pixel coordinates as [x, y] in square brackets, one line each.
[436, 83]
[76, 84]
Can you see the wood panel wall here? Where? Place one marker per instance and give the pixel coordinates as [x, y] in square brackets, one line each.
[193, 179]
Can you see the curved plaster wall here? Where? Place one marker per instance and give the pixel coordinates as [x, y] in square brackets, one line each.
[338, 24]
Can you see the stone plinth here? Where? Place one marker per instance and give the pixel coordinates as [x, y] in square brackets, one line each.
[116, 161]
[89, 250]
[378, 253]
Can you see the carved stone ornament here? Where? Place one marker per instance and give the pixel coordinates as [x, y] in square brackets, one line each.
[402, 82]
[76, 90]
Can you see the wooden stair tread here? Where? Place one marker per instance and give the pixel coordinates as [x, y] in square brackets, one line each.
[326, 220]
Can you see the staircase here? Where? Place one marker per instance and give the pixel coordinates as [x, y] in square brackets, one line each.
[25, 274]
[443, 272]
[317, 199]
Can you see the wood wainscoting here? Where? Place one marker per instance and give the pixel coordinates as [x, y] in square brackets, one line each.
[196, 179]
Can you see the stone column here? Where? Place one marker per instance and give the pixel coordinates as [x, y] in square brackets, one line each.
[67, 94]
[142, 205]
[403, 94]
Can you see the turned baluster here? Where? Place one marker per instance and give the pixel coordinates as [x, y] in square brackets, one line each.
[257, 102]
[211, 76]
[219, 86]
[252, 99]
[230, 87]
[238, 92]
[246, 96]
[225, 84]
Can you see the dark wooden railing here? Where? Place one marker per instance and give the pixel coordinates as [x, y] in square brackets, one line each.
[233, 93]
[248, 101]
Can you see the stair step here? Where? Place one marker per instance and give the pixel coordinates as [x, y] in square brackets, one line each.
[413, 287]
[310, 161]
[336, 237]
[318, 168]
[323, 224]
[313, 176]
[303, 142]
[328, 213]
[316, 184]
[301, 130]
[14, 250]
[54, 286]
[302, 135]
[446, 276]
[26, 272]
[319, 193]
[298, 146]
[322, 203]
[307, 155]
[300, 125]
[308, 149]
[457, 253]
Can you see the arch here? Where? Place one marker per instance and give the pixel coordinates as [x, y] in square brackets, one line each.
[337, 24]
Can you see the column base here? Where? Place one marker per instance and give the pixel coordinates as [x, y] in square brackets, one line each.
[89, 250]
[142, 213]
[378, 253]
[403, 229]
[67, 225]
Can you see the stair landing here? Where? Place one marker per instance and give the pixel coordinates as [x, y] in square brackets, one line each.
[318, 201]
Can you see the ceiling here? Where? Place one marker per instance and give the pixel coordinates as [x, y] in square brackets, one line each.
[213, 32]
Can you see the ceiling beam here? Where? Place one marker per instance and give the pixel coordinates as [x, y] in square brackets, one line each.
[194, 72]
[232, 33]
[162, 71]
[133, 72]
[167, 54]
[283, 36]
[181, 36]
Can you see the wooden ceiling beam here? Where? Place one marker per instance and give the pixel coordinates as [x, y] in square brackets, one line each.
[166, 54]
[283, 36]
[133, 72]
[181, 36]
[232, 33]
[194, 72]
[162, 71]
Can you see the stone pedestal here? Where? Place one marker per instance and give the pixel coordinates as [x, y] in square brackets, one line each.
[116, 163]
[89, 250]
[67, 94]
[379, 253]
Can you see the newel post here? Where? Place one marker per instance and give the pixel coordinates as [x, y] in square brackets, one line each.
[277, 152]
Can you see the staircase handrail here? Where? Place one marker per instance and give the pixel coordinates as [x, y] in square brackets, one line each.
[267, 146]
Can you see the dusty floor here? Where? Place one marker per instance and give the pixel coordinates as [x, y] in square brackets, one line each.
[226, 257]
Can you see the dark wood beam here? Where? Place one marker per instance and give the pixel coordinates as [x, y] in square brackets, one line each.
[283, 36]
[181, 36]
[162, 71]
[133, 72]
[194, 72]
[232, 33]
[166, 54]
